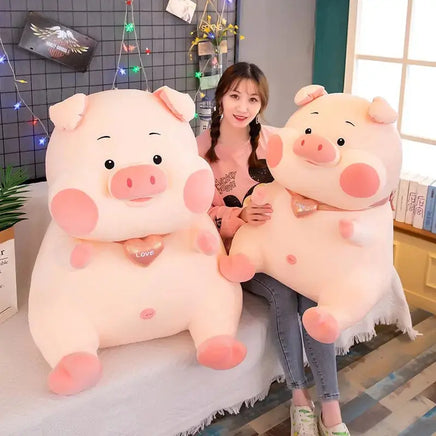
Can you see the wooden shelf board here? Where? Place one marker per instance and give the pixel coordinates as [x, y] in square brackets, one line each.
[425, 302]
[407, 228]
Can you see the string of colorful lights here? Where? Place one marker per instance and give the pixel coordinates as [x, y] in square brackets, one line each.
[129, 27]
[4, 58]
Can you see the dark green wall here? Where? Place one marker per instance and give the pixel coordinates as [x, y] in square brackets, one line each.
[331, 23]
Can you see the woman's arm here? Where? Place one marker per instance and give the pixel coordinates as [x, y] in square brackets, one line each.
[227, 219]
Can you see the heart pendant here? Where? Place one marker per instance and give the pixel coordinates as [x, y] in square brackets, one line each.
[303, 206]
[144, 251]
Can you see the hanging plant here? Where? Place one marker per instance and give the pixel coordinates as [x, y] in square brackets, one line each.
[213, 31]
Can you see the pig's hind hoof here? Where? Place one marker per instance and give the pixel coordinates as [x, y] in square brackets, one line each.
[75, 373]
[236, 268]
[221, 352]
[320, 325]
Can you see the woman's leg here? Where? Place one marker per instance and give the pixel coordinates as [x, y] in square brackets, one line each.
[284, 320]
[322, 360]
[283, 315]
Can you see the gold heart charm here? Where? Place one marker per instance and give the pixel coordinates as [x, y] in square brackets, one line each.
[144, 251]
[303, 206]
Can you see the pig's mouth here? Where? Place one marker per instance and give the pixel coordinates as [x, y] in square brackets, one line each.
[140, 200]
[321, 165]
[137, 202]
[310, 162]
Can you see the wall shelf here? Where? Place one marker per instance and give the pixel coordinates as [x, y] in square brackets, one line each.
[415, 261]
[407, 228]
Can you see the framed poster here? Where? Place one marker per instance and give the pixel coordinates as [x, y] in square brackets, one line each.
[54, 41]
[184, 9]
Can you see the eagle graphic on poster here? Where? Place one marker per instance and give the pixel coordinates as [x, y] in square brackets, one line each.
[60, 42]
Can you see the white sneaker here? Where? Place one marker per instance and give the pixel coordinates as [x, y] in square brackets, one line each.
[337, 430]
[303, 421]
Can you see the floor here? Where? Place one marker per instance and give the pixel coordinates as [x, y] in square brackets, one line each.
[387, 385]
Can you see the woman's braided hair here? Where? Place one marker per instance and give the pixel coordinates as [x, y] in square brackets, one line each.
[230, 80]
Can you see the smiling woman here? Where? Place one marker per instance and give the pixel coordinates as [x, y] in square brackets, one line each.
[237, 138]
[235, 147]
[241, 104]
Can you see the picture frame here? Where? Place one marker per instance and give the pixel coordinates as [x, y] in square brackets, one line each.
[184, 9]
[59, 43]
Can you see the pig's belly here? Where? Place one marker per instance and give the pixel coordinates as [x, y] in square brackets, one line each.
[127, 302]
[311, 257]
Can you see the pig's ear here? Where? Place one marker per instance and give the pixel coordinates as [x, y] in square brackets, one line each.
[181, 105]
[380, 111]
[309, 93]
[68, 113]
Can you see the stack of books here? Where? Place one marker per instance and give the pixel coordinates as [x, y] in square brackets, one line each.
[415, 201]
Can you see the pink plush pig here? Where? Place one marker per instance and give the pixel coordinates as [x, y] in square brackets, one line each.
[330, 237]
[131, 253]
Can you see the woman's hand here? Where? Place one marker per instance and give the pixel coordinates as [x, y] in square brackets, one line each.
[256, 214]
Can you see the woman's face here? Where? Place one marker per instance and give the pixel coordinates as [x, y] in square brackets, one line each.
[240, 105]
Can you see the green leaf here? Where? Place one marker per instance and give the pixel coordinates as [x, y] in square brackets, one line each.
[12, 196]
[5, 207]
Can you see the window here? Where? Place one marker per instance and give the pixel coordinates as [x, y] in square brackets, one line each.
[391, 52]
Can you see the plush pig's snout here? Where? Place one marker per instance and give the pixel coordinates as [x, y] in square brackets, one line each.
[316, 149]
[137, 183]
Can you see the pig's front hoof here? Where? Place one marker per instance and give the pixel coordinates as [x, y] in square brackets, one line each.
[321, 325]
[75, 373]
[81, 255]
[208, 243]
[221, 352]
[236, 268]
[259, 196]
[346, 228]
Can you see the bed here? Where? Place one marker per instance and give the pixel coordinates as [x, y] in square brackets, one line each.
[151, 388]
[154, 388]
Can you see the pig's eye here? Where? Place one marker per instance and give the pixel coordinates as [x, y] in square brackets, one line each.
[109, 164]
[308, 131]
[157, 159]
[340, 141]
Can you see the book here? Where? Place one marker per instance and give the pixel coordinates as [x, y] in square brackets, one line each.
[433, 226]
[403, 190]
[411, 198]
[429, 206]
[421, 199]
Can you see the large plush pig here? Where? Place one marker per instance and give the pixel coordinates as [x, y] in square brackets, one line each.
[330, 236]
[131, 253]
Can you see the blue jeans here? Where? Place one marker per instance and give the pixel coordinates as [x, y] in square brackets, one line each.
[286, 307]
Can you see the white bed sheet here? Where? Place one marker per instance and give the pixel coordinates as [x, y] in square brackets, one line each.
[152, 388]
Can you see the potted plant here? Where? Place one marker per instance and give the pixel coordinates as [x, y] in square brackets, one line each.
[12, 198]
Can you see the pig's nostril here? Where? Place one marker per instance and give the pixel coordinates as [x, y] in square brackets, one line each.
[319, 147]
[302, 142]
[129, 182]
[152, 180]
